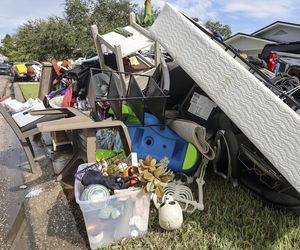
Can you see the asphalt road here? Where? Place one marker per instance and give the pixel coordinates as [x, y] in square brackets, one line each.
[11, 156]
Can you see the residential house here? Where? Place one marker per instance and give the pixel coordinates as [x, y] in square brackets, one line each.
[277, 32]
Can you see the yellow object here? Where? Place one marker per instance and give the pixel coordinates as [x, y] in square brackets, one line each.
[133, 61]
[21, 68]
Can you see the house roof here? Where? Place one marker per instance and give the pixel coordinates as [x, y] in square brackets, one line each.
[238, 35]
[272, 25]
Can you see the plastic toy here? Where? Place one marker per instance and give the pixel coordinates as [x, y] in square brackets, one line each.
[184, 195]
[160, 142]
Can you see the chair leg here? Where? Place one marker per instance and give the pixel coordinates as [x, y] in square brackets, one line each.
[76, 156]
[30, 146]
[30, 156]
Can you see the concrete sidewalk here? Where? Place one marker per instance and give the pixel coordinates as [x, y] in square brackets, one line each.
[48, 222]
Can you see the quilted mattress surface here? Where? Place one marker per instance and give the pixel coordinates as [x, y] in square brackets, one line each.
[271, 125]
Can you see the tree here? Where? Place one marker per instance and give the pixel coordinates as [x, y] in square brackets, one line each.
[7, 46]
[224, 30]
[70, 36]
[43, 40]
[78, 15]
[110, 14]
[106, 14]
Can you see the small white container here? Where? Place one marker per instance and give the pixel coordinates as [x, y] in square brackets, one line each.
[107, 220]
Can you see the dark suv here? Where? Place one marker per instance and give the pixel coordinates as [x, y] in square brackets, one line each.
[4, 68]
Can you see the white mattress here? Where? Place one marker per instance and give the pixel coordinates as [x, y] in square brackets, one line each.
[272, 126]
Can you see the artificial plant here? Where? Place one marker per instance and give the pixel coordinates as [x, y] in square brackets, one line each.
[154, 175]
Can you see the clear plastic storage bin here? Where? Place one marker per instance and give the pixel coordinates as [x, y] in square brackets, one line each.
[121, 215]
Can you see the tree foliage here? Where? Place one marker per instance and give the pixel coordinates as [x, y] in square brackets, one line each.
[69, 36]
[44, 39]
[7, 45]
[108, 14]
[78, 15]
[224, 30]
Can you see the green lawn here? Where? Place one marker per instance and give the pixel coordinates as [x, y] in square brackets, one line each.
[232, 219]
[29, 90]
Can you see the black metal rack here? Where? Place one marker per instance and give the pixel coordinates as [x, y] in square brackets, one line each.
[152, 99]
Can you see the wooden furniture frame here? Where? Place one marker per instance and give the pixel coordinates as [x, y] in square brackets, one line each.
[83, 128]
[124, 46]
[47, 77]
[84, 138]
[56, 116]
[24, 133]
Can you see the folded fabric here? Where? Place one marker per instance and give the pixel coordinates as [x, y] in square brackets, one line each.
[193, 133]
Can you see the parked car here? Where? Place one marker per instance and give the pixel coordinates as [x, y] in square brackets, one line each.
[4, 68]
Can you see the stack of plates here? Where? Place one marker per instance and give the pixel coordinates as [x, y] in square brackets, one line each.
[94, 192]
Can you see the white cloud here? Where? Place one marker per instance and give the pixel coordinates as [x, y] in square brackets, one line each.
[261, 8]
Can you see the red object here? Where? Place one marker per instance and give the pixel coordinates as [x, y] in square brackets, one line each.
[5, 98]
[67, 101]
[55, 67]
[125, 61]
[272, 61]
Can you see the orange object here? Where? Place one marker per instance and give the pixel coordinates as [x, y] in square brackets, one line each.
[30, 71]
[131, 171]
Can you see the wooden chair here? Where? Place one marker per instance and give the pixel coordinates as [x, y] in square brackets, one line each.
[84, 138]
[83, 128]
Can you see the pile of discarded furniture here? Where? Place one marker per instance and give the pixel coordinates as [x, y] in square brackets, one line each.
[153, 111]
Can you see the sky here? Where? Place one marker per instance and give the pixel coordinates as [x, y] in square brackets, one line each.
[245, 16]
